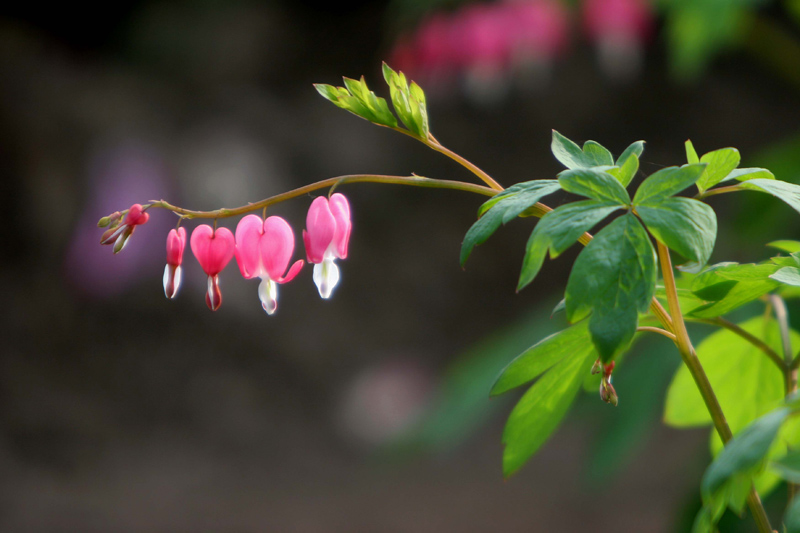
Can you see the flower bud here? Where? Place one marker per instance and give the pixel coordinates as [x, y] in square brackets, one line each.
[122, 240]
[597, 367]
[607, 392]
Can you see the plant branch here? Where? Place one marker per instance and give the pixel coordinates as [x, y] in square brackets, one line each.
[416, 181]
[660, 331]
[718, 190]
[746, 335]
[691, 361]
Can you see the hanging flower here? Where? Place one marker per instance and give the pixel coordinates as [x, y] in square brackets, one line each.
[263, 250]
[119, 235]
[328, 232]
[176, 242]
[213, 249]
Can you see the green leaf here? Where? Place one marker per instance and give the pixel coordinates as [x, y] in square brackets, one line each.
[685, 225]
[744, 452]
[788, 276]
[594, 184]
[537, 359]
[503, 211]
[788, 192]
[614, 278]
[572, 156]
[409, 102]
[626, 171]
[790, 247]
[745, 174]
[788, 467]
[541, 409]
[791, 520]
[730, 285]
[558, 230]
[720, 163]
[736, 370]
[691, 154]
[667, 182]
[359, 100]
[527, 187]
[635, 149]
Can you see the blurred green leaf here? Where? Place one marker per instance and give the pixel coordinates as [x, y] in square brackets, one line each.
[788, 467]
[572, 156]
[789, 247]
[667, 182]
[791, 520]
[634, 149]
[744, 174]
[558, 230]
[544, 354]
[788, 275]
[594, 184]
[736, 370]
[541, 409]
[691, 154]
[787, 192]
[684, 225]
[614, 278]
[626, 171]
[503, 211]
[720, 163]
[730, 285]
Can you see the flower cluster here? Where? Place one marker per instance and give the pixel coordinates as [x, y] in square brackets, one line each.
[263, 249]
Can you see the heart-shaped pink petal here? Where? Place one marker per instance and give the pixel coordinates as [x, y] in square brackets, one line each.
[321, 228]
[213, 249]
[249, 232]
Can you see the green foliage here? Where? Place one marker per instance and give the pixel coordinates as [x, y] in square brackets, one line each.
[788, 192]
[685, 225]
[791, 519]
[727, 286]
[541, 409]
[594, 184]
[558, 230]
[572, 156]
[667, 182]
[409, 102]
[359, 100]
[789, 247]
[788, 276]
[720, 163]
[788, 467]
[504, 209]
[614, 278]
[537, 359]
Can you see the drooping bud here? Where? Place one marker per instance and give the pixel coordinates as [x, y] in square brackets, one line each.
[176, 242]
[607, 392]
[122, 240]
[597, 367]
[110, 219]
[136, 216]
[213, 249]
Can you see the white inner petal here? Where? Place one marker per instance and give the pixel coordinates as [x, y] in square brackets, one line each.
[166, 280]
[326, 276]
[177, 281]
[268, 294]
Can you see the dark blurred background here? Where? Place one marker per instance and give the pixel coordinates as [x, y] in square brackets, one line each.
[121, 411]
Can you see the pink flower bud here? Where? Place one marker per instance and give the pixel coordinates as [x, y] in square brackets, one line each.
[176, 242]
[136, 216]
[213, 250]
[326, 238]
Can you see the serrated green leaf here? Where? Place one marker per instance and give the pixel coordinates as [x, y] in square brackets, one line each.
[744, 174]
[745, 451]
[788, 192]
[541, 409]
[537, 359]
[504, 210]
[572, 156]
[736, 370]
[691, 154]
[720, 163]
[558, 230]
[627, 171]
[667, 182]
[684, 225]
[790, 247]
[594, 184]
[614, 279]
[635, 148]
[788, 276]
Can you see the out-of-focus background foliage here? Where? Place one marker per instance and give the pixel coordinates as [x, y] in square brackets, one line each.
[121, 411]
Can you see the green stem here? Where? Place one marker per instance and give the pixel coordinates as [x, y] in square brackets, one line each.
[415, 181]
[782, 316]
[718, 190]
[691, 361]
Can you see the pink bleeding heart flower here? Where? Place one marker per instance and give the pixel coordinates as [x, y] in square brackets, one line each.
[263, 250]
[119, 235]
[176, 242]
[213, 249]
[326, 239]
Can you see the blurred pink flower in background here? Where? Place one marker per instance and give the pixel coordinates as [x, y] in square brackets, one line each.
[619, 29]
